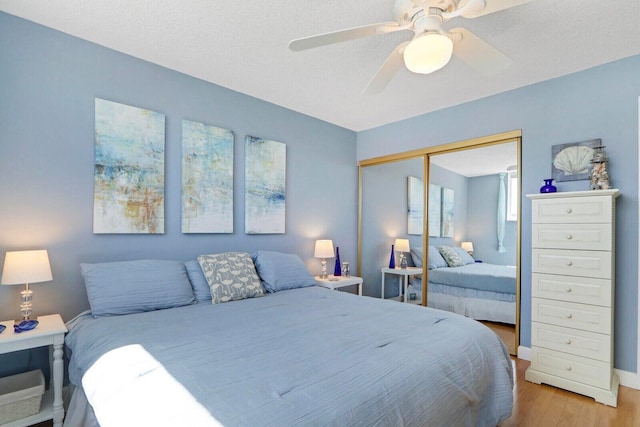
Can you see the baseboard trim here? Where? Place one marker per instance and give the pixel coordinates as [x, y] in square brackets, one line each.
[627, 379]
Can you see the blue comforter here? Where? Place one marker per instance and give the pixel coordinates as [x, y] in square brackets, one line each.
[306, 356]
[481, 276]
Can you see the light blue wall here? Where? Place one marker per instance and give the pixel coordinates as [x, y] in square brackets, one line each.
[48, 82]
[601, 102]
[482, 224]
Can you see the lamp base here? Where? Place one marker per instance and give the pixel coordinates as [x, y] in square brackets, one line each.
[26, 297]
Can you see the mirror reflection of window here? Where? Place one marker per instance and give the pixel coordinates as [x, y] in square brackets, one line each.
[512, 196]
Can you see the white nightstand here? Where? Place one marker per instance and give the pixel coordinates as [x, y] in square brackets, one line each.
[49, 332]
[335, 282]
[405, 273]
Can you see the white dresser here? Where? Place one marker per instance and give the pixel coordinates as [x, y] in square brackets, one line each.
[572, 287]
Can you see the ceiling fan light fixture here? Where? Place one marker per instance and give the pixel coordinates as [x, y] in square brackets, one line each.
[428, 53]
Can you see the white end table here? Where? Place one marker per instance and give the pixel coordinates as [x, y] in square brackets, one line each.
[335, 282]
[49, 332]
[404, 273]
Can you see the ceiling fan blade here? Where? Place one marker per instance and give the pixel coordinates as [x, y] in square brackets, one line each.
[386, 71]
[475, 8]
[311, 42]
[478, 53]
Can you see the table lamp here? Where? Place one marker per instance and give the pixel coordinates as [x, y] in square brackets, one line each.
[26, 267]
[467, 246]
[402, 246]
[324, 250]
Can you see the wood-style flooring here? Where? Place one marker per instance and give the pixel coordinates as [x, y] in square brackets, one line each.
[539, 405]
[545, 406]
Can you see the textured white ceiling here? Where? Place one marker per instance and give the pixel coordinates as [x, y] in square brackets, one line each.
[243, 46]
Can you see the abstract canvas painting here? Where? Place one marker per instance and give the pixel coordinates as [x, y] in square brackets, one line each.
[415, 209]
[434, 210]
[265, 173]
[207, 178]
[447, 212]
[129, 169]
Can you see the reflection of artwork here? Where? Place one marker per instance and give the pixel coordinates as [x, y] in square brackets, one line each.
[434, 210]
[572, 162]
[207, 179]
[415, 201]
[129, 169]
[447, 212]
[264, 200]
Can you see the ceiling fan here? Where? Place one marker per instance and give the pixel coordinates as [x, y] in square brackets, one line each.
[432, 45]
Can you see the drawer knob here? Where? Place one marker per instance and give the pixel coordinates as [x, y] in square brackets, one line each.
[569, 237]
[568, 289]
[569, 263]
[568, 342]
[568, 210]
[569, 316]
[568, 368]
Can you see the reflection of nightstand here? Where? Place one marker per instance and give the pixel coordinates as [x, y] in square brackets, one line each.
[49, 332]
[405, 273]
[335, 282]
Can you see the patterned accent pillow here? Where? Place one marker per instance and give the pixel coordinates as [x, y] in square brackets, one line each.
[451, 256]
[231, 276]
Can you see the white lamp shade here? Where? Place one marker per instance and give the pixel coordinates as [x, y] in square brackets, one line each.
[324, 249]
[402, 245]
[21, 267]
[467, 246]
[428, 52]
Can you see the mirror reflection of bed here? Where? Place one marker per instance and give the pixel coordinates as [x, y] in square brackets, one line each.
[464, 199]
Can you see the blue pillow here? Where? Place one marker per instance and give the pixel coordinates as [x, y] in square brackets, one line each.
[198, 281]
[279, 271]
[128, 287]
[435, 260]
[466, 258]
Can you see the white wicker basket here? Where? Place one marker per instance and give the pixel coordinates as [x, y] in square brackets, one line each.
[20, 395]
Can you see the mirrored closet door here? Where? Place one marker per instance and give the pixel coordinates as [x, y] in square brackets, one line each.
[470, 194]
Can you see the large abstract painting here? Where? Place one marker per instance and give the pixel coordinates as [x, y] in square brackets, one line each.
[265, 173]
[447, 212]
[129, 169]
[207, 179]
[435, 208]
[415, 209]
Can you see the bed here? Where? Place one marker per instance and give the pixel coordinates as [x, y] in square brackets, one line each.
[478, 290]
[289, 355]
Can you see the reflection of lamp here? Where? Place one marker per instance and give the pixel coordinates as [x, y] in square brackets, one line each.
[467, 246]
[428, 52]
[324, 250]
[26, 267]
[402, 246]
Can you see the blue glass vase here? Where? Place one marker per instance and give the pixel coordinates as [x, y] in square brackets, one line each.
[392, 260]
[548, 186]
[337, 270]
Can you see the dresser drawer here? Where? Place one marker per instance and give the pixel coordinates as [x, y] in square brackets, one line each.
[571, 315]
[588, 209]
[572, 263]
[575, 368]
[573, 341]
[572, 236]
[571, 288]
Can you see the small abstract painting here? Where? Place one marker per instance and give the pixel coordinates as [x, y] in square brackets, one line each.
[415, 208]
[447, 212]
[265, 178]
[572, 162]
[129, 169]
[207, 178]
[435, 207]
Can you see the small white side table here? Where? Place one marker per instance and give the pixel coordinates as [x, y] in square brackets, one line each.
[49, 332]
[335, 282]
[404, 273]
